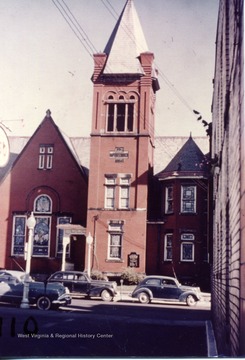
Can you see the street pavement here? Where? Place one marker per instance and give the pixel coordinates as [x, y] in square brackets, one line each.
[124, 295]
[122, 328]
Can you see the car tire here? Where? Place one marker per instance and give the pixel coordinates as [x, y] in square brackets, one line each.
[144, 298]
[43, 303]
[191, 300]
[106, 295]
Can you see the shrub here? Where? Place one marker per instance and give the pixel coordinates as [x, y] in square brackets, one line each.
[131, 277]
[98, 275]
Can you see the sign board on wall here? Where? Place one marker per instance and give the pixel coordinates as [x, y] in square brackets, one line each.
[133, 259]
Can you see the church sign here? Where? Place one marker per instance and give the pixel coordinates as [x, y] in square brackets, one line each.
[119, 154]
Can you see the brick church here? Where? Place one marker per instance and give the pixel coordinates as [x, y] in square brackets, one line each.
[152, 222]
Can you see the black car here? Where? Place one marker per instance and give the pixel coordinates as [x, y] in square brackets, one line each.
[80, 284]
[165, 288]
[44, 296]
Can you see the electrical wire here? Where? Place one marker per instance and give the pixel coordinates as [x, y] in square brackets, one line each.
[85, 36]
[71, 24]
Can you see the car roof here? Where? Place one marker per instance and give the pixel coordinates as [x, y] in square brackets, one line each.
[17, 273]
[160, 277]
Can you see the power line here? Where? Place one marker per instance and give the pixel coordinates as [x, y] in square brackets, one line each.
[85, 36]
[69, 22]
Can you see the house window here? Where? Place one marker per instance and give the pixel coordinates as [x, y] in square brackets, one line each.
[168, 245]
[169, 199]
[19, 235]
[120, 113]
[110, 187]
[60, 232]
[46, 157]
[124, 193]
[187, 251]
[188, 199]
[115, 231]
[113, 199]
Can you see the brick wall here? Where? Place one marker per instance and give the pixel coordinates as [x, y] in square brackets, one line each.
[227, 140]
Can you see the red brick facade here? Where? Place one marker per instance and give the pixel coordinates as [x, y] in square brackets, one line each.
[46, 179]
[124, 160]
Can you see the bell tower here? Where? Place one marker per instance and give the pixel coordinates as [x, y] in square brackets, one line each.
[122, 144]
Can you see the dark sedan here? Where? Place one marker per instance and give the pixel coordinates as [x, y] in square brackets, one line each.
[44, 296]
[165, 288]
[80, 284]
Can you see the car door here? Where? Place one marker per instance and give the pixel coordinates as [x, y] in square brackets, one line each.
[80, 284]
[154, 285]
[65, 278]
[68, 281]
[169, 289]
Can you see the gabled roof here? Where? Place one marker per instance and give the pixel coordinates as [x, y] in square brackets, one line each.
[18, 144]
[126, 43]
[188, 162]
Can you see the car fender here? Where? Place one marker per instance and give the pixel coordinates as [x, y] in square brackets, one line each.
[96, 291]
[184, 296]
[136, 292]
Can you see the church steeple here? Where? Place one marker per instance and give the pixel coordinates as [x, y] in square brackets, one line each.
[126, 43]
[122, 145]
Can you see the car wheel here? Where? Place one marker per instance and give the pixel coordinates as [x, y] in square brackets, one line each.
[190, 300]
[106, 295]
[43, 303]
[144, 298]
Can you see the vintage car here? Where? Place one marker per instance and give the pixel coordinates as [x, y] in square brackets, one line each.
[44, 296]
[165, 288]
[80, 284]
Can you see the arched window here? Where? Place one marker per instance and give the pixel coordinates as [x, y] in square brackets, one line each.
[120, 113]
[42, 212]
[43, 204]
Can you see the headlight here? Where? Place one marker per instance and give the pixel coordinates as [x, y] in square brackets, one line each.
[67, 291]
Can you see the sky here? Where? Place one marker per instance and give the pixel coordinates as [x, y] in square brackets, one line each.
[45, 63]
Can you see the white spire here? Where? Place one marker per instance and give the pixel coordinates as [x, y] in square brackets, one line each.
[126, 43]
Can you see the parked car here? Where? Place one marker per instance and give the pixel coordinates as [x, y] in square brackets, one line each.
[44, 296]
[165, 288]
[80, 284]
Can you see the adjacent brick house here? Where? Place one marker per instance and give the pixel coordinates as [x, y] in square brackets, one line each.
[177, 232]
[46, 178]
[228, 154]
